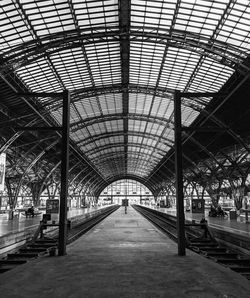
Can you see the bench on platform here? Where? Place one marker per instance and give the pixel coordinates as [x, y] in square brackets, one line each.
[29, 214]
[3, 210]
[246, 211]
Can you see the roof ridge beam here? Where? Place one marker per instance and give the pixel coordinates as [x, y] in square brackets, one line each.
[124, 28]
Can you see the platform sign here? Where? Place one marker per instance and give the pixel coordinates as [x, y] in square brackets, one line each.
[198, 205]
[2, 170]
[124, 202]
[162, 203]
[52, 206]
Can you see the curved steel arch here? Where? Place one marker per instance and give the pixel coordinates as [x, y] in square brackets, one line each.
[110, 156]
[15, 136]
[87, 178]
[33, 162]
[31, 51]
[79, 94]
[47, 177]
[168, 178]
[131, 177]
[91, 180]
[120, 144]
[119, 116]
[121, 133]
[100, 187]
[80, 182]
[218, 122]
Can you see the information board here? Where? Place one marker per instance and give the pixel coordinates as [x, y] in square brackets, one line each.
[2, 170]
[124, 202]
[52, 206]
[198, 205]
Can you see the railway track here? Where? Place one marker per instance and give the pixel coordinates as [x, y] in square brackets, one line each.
[88, 224]
[45, 246]
[195, 241]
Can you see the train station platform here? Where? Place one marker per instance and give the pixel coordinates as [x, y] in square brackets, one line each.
[235, 226]
[15, 232]
[21, 223]
[123, 256]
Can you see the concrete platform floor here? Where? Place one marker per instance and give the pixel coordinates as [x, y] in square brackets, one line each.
[124, 256]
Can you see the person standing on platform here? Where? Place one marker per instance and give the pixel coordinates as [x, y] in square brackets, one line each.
[30, 211]
[203, 221]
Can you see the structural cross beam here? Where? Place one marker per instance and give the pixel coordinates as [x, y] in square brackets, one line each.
[64, 161]
[178, 163]
[124, 27]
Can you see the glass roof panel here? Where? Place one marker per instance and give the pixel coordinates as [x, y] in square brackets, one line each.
[111, 103]
[140, 103]
[235, 29]
[145, 62]
[78, 135]
[87, 107]
[14, 29]
[162, 107]
[122, 74]
[104, 61]
[169, 134]
[39, 76]
[91, 14]
[154, 128]
[199, 16]
[210, 76]
[188, 115]
[154, 13]
[47, 17]
[179, 66]
[71, 68]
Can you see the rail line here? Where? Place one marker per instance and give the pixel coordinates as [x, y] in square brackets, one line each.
[200, 240]
[44, 245]
[88, 224]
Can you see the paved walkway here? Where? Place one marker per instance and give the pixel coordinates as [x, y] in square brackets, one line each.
[124, 256]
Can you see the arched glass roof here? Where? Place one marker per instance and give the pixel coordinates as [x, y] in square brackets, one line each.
[126, 187]
[122, 61]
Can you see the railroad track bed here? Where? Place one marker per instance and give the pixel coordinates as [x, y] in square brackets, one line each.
[196, 241]
[88, 224]
[48, 245]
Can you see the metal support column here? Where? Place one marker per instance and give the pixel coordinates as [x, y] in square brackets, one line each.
[64, 175]
[179, 175]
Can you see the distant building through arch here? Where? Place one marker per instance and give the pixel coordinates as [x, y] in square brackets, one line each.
[134, 191]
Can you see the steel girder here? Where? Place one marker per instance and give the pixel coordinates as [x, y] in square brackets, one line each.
[129, 116]
[211, 116]
[39, 156]
[219, 51]
[107, 146]
[44, 120]
[88, 92]
[91, 139]
[178, 40]
[124, 28]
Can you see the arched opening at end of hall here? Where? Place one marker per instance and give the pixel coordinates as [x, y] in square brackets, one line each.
[126, 189]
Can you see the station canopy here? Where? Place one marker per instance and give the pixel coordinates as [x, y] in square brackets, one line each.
[122, 62]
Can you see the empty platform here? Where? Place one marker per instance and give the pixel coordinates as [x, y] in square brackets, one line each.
[21, 223]
[16, 232]
[123, 256]
[235, 226]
